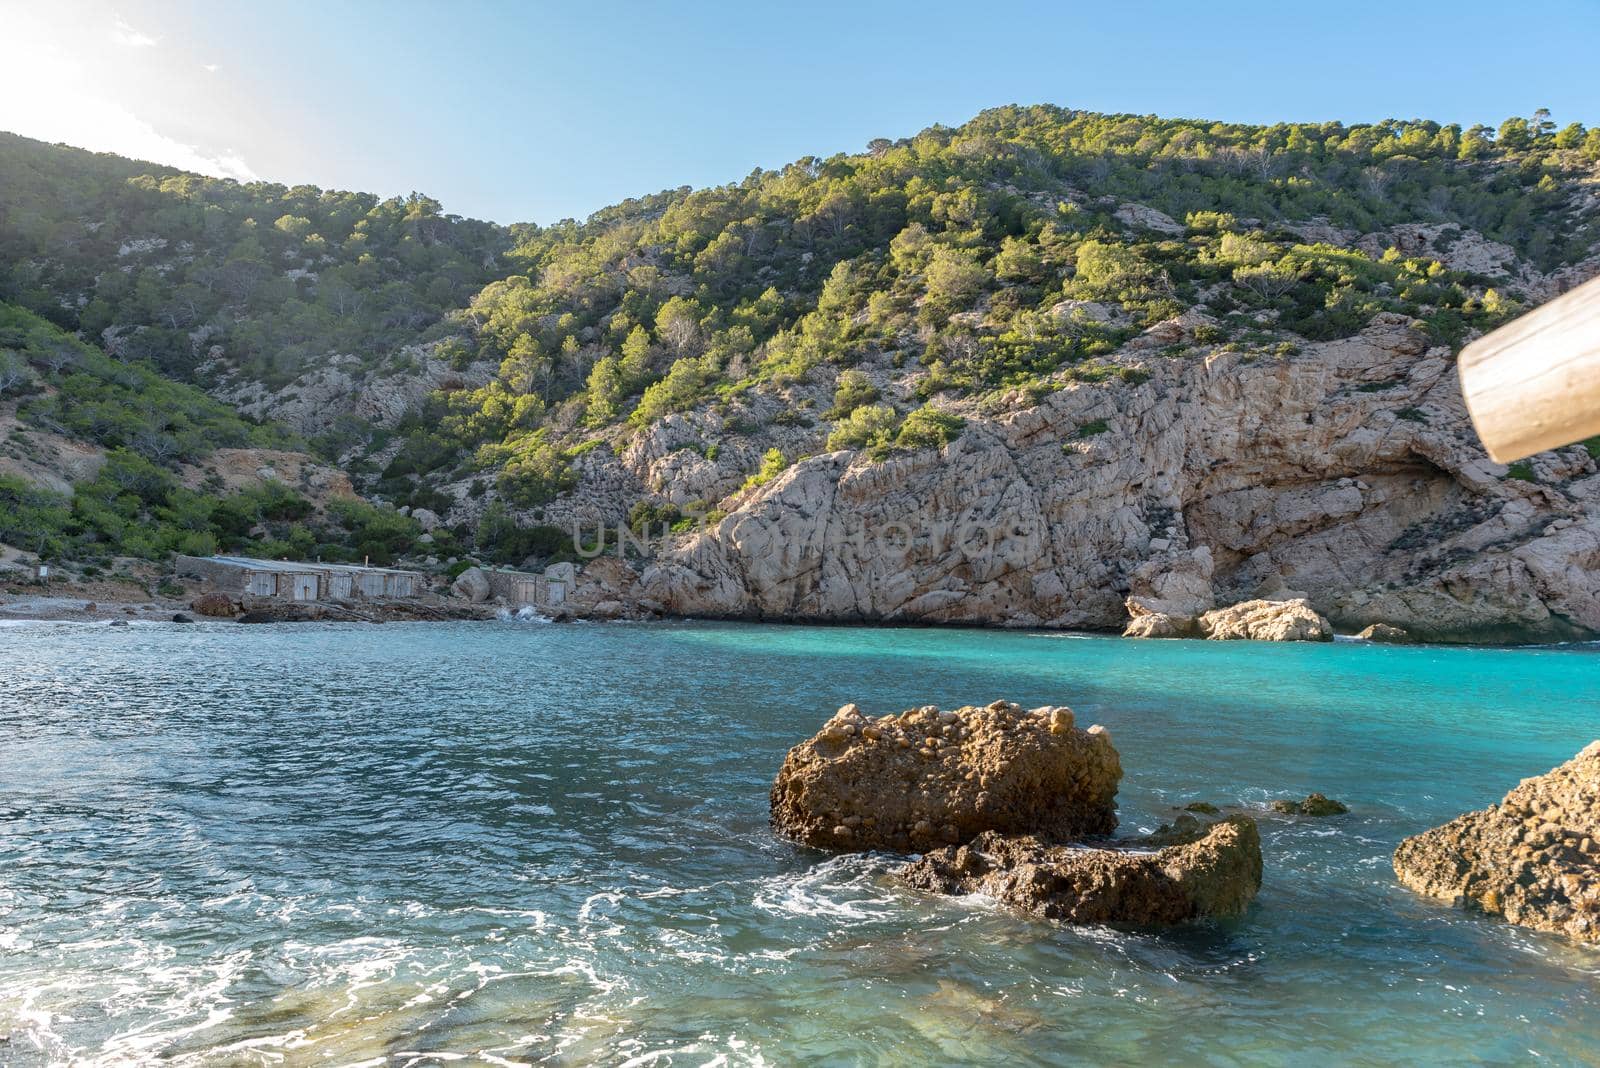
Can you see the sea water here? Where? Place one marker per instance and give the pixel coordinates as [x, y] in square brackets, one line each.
[518, 843]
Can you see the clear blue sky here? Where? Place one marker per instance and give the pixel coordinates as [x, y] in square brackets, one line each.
[533, 112]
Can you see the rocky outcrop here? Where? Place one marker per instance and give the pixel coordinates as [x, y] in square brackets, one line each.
[1534, 858]
[1159, 625]
[1315, 804]
[924, 778]
[1267, 621]
[1348, 471]
[347, 385]
[1384, 634]
[1216, 872]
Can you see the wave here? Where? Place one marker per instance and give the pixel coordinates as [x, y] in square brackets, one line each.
[524, 614]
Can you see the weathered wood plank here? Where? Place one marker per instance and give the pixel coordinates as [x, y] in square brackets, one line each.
[1534, 384]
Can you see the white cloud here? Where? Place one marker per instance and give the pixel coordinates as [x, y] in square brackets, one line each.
[47, 95]
[129, 37]
[210, 68]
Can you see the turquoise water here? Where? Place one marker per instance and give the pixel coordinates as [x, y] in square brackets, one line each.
[548, 844]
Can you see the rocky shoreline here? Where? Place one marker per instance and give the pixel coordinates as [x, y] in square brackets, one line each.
[1020, 806]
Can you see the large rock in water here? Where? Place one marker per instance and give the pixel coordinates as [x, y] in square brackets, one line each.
[1267, 621]
[924, 778]
[1216, 872]
[1534, 858]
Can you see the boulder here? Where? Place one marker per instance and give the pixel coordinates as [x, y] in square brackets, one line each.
[1385, 634]
[472, 584]
[924, 778]
[1269, 621]
[1159, 625]
[1210, 871]
[182, 617]
[1534, 858]
[216, 605]
[1313, 805]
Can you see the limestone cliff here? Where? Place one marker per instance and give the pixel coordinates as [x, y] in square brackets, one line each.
[1348, 471]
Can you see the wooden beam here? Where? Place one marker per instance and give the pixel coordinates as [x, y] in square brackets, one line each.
[1534, 384]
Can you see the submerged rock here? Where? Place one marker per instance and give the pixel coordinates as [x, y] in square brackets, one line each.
[927, 777]
[1313, 805]
[1382, 632]
[1269, 621]
[1213, 871]
[1534, 858]
[182, 617]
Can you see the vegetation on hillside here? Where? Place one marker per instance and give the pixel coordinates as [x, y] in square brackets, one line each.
[278, 278]
[997, 255]
[1009, 256]
[150, 426]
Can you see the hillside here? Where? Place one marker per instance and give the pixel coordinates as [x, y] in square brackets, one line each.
[1128, 288]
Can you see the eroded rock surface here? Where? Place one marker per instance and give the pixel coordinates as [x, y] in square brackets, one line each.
[1215, 872]
[1348, 471]
[924, 777]
[1268, 621]
[1534, 858]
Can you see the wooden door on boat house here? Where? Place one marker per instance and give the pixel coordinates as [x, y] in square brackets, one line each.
[339, 585]
[302, 587]
[261, 584]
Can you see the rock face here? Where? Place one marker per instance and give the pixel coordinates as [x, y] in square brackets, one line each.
[1348, 471]
[1267, 621]
[1534, 858]
[924, 778]
[1167, 594]
[1216, 873]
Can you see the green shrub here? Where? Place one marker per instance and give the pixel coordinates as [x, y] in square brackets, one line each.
[928, 428]
[772, 465]
[867, 426]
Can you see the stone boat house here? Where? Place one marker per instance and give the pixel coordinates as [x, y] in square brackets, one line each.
[289, 580]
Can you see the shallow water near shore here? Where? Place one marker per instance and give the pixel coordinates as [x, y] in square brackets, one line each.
[548, 844]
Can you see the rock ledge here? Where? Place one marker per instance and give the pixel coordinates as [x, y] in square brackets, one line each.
[1216, 872]
[1534, 858]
